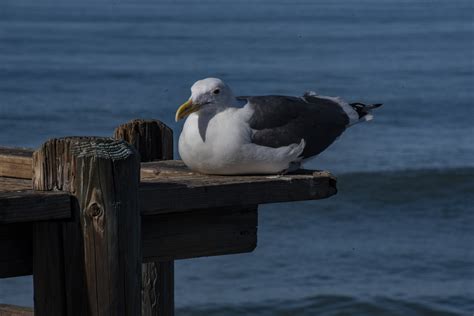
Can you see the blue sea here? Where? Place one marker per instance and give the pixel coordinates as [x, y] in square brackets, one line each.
[397, 239]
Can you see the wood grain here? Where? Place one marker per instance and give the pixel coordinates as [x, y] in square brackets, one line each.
[18, 203]
[154, 141]
[199, 233]
[168, 186]
[165, 237]
[103, 175]
[151, 138]
[30, 206]
[158, 288]
[13, 184]
[15, 162]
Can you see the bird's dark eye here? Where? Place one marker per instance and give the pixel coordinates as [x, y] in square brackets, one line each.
[217, 91]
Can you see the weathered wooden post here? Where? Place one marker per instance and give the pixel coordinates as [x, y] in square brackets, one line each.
[151, 138]
[154, 141]
[90, 265]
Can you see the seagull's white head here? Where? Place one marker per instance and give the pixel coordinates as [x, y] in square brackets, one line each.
[206, 93]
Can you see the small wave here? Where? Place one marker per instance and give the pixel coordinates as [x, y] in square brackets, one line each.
[327, 305]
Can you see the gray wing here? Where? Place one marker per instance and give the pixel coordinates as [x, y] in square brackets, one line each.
[280, 121]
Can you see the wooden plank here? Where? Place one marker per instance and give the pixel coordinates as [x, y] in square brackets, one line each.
[12, 310]
[30, 206]
[154, 141]
[12, 184]
[165, 237]
[15, 162]
[103, 175]
[166, 187]
[169, 186]
[16, 250]
[199, 233]
[19, 203]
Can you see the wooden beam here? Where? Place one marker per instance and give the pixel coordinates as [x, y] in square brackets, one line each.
[99, 267]
[32, 206]
[169, 186]
[154, 141]
[172, 177]
[199, 233]
[14, 184]
[15, 162]
[166, 187]
[19, 203]
[12, 310]
[165, 237]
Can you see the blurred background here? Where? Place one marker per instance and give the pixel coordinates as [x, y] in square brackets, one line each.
[398, 237]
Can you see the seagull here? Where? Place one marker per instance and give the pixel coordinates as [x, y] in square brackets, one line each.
[273, 134]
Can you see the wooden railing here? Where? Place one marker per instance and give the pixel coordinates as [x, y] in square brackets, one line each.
[83, 214]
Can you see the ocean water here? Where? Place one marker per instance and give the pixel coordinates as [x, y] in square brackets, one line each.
[398, 237]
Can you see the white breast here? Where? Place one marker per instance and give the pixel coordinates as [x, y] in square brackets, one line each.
[227, 148]
[223, 139]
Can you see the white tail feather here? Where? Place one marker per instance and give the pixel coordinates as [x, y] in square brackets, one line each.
[368, 117]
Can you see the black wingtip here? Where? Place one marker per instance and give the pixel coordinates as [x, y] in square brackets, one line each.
[364, 109]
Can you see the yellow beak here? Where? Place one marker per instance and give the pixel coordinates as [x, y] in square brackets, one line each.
[185, 109]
